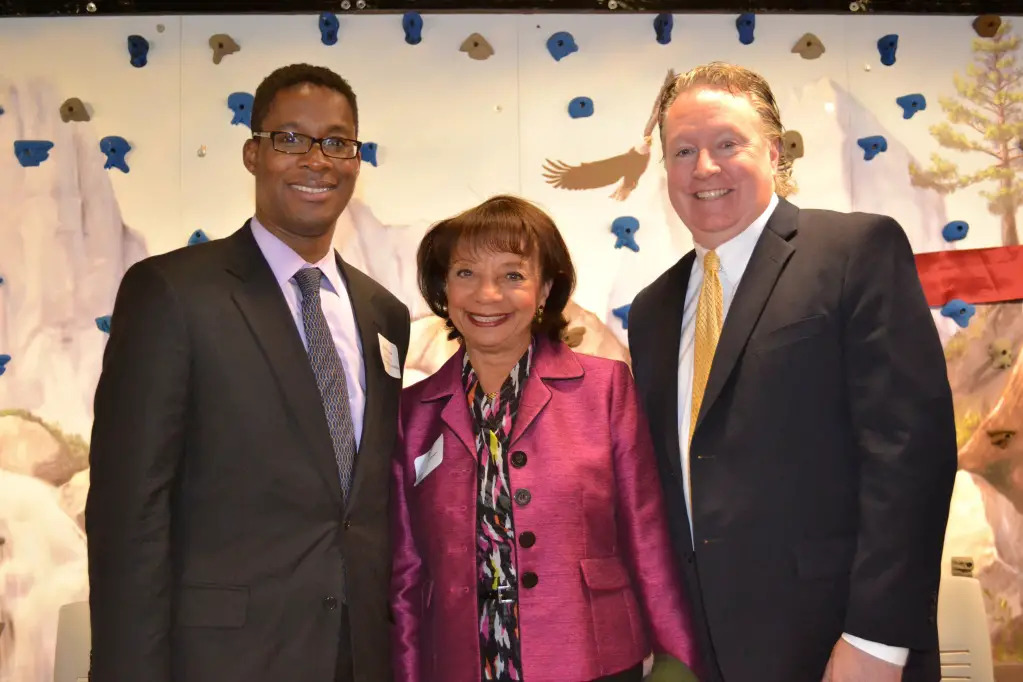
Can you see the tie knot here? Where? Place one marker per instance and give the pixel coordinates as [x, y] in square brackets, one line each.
[309, 282]
[711, 262]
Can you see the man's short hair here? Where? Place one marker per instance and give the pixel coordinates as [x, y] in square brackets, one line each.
[297, 74]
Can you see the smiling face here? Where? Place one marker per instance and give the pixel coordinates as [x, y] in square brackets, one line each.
[492, 297]
[300, 196]
[720, 165]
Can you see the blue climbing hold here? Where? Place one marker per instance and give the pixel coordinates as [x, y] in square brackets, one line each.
[368, 151]
[241, 104]
[329, 26]
[663, 23]
[580, 107]
[32, 152]
[886, 46]
[138, 51]
[561, 44]
[911, 104]
[197, 237]
[412, 24]
[746, 24]
[625, 229]
[622, 313]
[115, 147]
[955, 230]
[872, 146]
[959, 311]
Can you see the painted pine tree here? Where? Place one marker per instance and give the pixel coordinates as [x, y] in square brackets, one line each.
[985, 118]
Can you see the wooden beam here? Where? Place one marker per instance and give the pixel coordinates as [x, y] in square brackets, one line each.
[40, 8]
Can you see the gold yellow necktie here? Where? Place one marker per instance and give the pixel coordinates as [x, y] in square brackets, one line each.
[709, 318]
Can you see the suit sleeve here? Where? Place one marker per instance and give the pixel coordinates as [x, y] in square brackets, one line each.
[643, 525]
[406, 573]
[904, 438]
[137, 444]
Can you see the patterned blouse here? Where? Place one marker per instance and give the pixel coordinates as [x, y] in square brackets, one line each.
[492, 417]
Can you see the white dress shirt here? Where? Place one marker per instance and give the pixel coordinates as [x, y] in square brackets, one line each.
[734, 256]
[337, 308]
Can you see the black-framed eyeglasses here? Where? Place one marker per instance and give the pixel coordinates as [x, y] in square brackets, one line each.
[288, 142]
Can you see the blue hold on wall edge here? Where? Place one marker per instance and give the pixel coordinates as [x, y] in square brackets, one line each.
[241, 104]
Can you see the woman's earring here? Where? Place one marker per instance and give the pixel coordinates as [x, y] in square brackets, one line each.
[539, 315]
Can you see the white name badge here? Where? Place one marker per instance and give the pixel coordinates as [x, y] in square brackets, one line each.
[390, 357]
[429, 460]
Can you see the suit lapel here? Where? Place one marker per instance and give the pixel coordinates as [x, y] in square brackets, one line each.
[769, 256]
[377, 395]
[667, 333]
[262, 304]
[369, 325]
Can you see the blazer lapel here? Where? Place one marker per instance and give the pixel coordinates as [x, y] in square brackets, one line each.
[446, 384]
[667, 335]
[769, 256]
[535, 396]
[456, 415]
[551, 361]
[262, 304]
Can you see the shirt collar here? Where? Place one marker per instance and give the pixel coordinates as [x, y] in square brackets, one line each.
[736, 252]
[285, 262]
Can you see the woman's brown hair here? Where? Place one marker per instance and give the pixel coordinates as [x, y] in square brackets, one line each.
[506, 224]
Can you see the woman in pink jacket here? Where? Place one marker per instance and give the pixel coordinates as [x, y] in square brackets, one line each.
[529, 528]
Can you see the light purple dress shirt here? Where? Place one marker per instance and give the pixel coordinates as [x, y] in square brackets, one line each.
[337, 308]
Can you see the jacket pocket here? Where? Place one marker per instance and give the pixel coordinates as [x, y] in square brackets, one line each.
[614, 613]
[210, 605]
[605, 573]
[825, 558]
[788, 334]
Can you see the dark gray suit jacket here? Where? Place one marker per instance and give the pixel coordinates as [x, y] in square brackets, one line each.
[824, 452]
[215, 520]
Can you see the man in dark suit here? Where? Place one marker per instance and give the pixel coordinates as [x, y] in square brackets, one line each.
[806, 442]
[244, 421]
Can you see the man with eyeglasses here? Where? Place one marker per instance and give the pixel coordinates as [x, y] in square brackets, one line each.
[244, 421]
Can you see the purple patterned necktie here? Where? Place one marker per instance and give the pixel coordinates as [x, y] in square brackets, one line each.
[330, 374]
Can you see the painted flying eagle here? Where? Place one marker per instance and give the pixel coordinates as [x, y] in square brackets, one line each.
[626, 168]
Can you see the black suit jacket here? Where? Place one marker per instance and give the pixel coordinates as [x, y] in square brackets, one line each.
[215, 520]
[824, 453]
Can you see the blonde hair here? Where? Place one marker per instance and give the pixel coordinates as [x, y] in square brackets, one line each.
[738, 81]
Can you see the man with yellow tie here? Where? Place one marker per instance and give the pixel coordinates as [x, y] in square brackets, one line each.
[806, 442]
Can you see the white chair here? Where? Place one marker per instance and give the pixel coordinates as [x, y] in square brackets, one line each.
[962, 626]
[74, 643]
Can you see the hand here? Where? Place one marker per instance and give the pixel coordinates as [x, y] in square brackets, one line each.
[850, 664]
